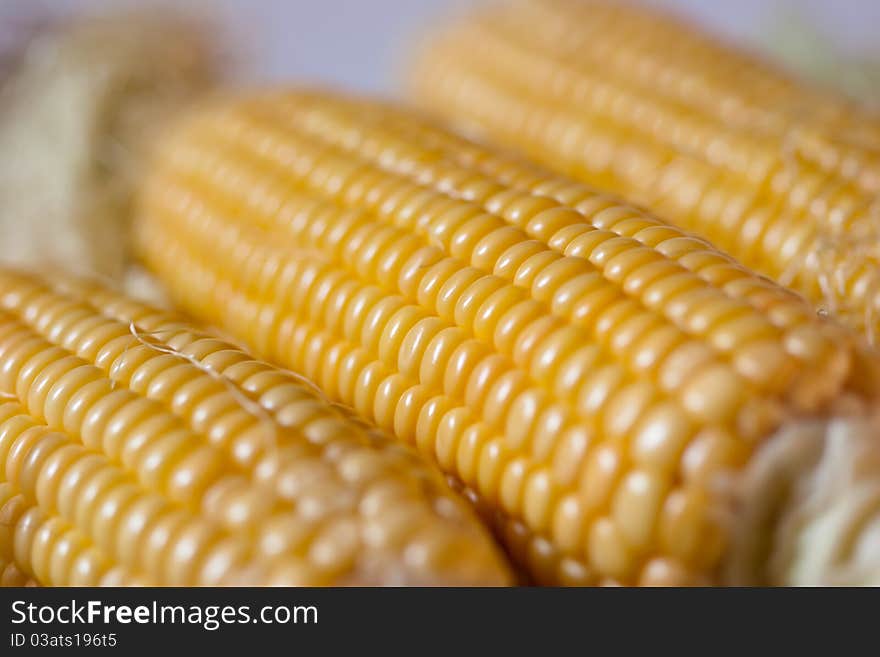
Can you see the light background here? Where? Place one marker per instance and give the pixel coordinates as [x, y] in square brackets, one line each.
[361, 44]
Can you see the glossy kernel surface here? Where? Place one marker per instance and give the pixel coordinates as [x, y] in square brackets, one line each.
[782, 175]
[136, 449]
[584, 371]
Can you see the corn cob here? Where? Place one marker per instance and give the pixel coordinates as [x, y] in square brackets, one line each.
[137, 456]
[610, 385]
[782, 176]
[168, 325]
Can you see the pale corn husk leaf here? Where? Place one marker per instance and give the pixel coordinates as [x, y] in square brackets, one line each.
[74, 116]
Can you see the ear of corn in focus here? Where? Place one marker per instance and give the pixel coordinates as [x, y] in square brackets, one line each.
[136, 449]
[634, 405]
[783, 176]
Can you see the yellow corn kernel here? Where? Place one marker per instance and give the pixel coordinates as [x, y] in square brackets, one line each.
[531, 551]
[782, 176]
[579, 372]
[134, 453]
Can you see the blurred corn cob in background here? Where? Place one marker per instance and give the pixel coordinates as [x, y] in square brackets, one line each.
[782, 175]
[79, 99]
[636, 407]
[138, 450]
